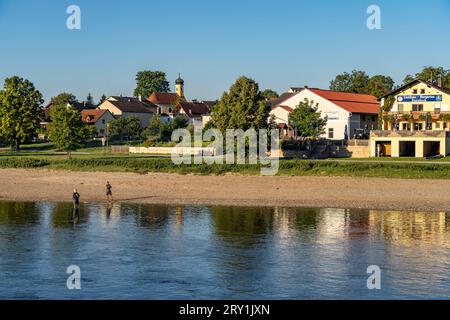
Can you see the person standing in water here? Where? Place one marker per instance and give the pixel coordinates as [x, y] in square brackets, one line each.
[109, 195]
[76, 199]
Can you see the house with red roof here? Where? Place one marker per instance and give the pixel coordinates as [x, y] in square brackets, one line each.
[346, 112]
[98, 118]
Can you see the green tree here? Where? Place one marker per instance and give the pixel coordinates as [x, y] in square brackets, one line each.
[67, 131]
[90, 100]
[179, 122]
[63, 99]
[102, 99]
[431, 74]
[148, 82]
[355, 82]
[307, 120]
[125, 126]
[241, 107]
[269, 94]
[154, 125]
[20, 111]
[380, 85]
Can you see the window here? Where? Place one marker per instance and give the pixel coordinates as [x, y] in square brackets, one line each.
[417, 107]
[415, 91]
[437, 125]
[330, 133]
[102, 131]
[437, 108]
[103, 121]
[422, 91]
[401, 108]
[418, 126]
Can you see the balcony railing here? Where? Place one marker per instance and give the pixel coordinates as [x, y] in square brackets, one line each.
[408, 134]
[436, 115]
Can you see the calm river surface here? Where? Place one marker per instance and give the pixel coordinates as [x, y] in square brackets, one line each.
[134, 251]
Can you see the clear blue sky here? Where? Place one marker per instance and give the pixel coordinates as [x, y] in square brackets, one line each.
[279, 43]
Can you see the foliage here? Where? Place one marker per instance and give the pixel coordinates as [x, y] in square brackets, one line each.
[269, 94]
[20, 111]
[148, 82]
[63, 99]
[307, 120]
[359, 82]
[241, 107]
[102, 99]
[379, 86]
[67, 131]
[431, 74]
[90, 100]
[125, 127]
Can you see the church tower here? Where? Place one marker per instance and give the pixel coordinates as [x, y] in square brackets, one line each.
[179, 84]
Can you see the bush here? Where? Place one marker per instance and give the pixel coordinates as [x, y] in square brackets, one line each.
[22, 163]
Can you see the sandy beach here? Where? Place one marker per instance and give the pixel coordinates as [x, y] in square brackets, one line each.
[230, 190]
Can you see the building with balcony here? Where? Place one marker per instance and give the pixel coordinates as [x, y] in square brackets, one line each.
[415, 122]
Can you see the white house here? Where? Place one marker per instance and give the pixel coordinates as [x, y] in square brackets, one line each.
[130, 107]
[346, 112]
[98, 118]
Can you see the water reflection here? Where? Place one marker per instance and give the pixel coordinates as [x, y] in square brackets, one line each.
[221, 252]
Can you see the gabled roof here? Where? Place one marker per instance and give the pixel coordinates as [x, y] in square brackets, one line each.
[164, 98]
[132, 105]
[288, 109]
[92, 116]
[413, 83]
[351, 102]
[282, 98]
[192, 109]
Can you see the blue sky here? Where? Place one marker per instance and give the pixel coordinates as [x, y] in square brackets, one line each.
[279, 43]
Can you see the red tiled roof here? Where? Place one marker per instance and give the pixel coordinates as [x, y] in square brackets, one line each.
[288, 109]
[163, 98]
[351, 102]
[92, 116]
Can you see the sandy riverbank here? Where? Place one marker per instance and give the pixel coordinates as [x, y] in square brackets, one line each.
[235, 190]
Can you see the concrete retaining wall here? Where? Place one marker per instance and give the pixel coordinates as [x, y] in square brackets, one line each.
[170, 150]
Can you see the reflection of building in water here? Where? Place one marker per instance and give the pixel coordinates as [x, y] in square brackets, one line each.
[408, 227]
[179, 218]
[331, 224]
[284, 220]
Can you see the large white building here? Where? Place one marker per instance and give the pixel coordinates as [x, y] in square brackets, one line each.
[346, 112]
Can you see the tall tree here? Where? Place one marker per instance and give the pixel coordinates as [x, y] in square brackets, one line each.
[269, 94]
[63, 99]
[355, 82]
[241, 107]
[90, 100]
[67, 131]
[20, 111]
[148, 82]
[102, 99]
[307, 120]
[380, 85]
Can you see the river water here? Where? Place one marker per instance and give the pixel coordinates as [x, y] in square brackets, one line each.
[139, 251]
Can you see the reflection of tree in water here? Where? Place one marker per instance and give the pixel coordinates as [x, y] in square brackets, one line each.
[64, 215]
[149, 216]
[18, 213]
[236, 222]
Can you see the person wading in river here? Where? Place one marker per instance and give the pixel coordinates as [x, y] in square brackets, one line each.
[109, 195]
[76, 199]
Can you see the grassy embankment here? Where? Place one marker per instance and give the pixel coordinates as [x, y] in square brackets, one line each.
[99, 159]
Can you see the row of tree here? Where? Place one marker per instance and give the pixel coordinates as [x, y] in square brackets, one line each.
[359, 81]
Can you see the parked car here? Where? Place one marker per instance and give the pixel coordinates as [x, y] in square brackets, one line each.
[361, 134]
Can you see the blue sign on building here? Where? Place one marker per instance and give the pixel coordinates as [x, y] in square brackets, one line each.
[420, 98]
